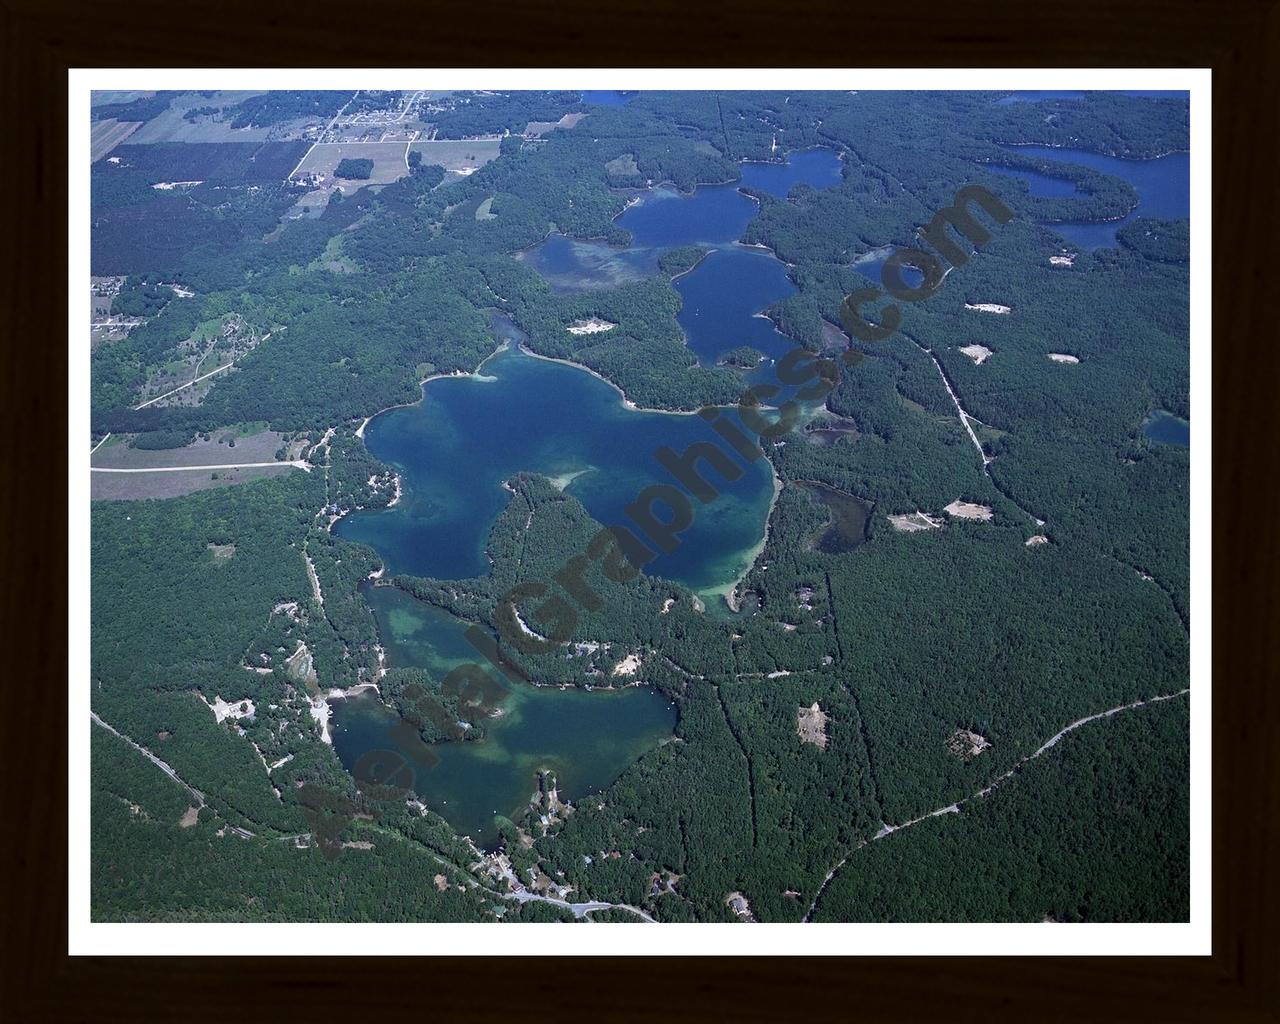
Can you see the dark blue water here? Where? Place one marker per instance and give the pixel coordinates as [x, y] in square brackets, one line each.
[1165, 428]
[723, 294]
[871, 265]
[1163, 186]
[820, 168]
[607, 97]
[455, 449]
[665, 218]
[711, 215]
[722, 297]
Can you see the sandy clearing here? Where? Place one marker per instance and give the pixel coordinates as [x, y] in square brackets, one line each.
[988, 307]
[222, 710]
[1063, 259]
[189, 818]
[914, 522]
[969, 510]
[320, 712]
[315, 580]
[1063, 357]
[966, 745]
[592, 326]
[978, 353]
[736, 902]
[628, 666]
[1037, 540]
[811, 725]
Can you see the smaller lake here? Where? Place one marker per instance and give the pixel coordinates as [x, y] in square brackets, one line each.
[820, 168]
[587, 738]
[722, 297]
[607, 97]
[850, 519]
[664, 218]
[1163, 427]
[871, 265]
[1163, 186]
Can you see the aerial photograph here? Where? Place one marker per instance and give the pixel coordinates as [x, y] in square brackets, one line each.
[639, 506]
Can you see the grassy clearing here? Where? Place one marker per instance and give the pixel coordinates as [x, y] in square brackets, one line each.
[141, 486]
[457, 155]
[172, 125]
[106, 135]
[388, 163]
[258, 445]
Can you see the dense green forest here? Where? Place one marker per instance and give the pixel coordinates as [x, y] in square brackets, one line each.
[222, 617]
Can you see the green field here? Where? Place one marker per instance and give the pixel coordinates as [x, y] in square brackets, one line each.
[388, 162]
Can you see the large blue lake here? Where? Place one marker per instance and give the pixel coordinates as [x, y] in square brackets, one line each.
[456, 447]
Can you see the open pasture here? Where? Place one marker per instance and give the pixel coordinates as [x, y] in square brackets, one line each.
[388, 163]
[108, 134]
[460, 155]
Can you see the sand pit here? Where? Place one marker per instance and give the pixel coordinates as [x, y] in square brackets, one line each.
[1062, 357]
[969, 510]
[811, 725]
[966, 744]
[1037, 540]
[222, 710]
[628, 666]
[592, 326]
[914, 522]
[988, 307]
[978, 353]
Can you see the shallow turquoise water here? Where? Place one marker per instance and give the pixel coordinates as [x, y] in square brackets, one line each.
[587, 738]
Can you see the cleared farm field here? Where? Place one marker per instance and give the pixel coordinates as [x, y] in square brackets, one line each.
[172, 125]
[388, 162]
[221, 163]
[457, 155]
[108, 134]
[257, 447]
[200, 456]
[140, 486]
